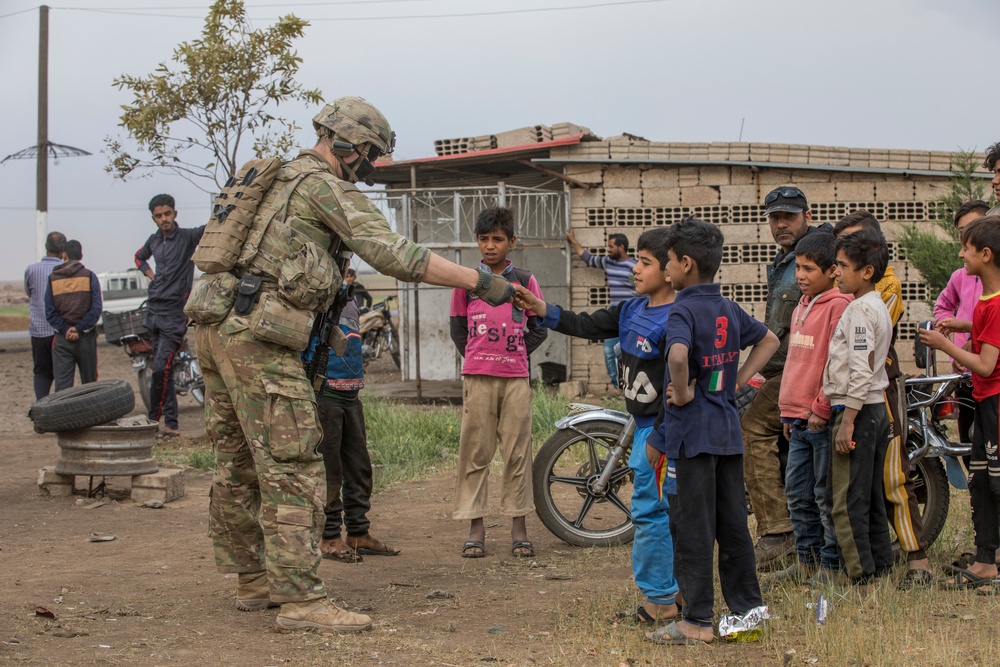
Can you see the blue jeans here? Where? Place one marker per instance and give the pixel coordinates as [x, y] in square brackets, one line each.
[652, 549]
[807, 474]
[610, 362]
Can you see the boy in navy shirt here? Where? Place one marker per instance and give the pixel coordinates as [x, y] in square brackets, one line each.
[700, 433]
[640, 324]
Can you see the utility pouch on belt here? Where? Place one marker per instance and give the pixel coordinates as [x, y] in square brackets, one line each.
[212, 297]
[276, 322]
[246, 294]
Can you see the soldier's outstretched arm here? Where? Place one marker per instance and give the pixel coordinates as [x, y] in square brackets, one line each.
[492, 289]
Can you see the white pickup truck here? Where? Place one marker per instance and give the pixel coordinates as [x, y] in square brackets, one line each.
[123, 290]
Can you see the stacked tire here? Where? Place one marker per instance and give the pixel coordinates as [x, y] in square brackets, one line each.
[80, 407]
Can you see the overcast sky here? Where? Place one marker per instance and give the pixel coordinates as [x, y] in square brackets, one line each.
[915, 74]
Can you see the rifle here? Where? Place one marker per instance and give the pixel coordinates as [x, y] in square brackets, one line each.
[327, 325]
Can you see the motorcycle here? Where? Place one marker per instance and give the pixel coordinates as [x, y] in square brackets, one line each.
[378, 333]
[582, 484]
[126, 329]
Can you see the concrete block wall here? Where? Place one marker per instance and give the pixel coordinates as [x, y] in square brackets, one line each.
[632, 198]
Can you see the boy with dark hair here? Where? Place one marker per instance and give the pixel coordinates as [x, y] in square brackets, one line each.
[73, 304]
[700, 434]
[981, 254]
[640, 323]
[855, 381]
[805, 409]
[900, 497]
[992, 164]
[495, 343]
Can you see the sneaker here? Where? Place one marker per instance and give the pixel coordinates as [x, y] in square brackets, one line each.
[252, 593]
[771, 551]
[321, 614]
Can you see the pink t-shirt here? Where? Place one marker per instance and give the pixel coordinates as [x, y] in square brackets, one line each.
[496, 341]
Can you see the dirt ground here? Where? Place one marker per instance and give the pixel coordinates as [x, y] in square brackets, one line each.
[153, 597]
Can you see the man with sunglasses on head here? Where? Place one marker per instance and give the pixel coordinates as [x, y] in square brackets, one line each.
[789, 216]
[266, 510]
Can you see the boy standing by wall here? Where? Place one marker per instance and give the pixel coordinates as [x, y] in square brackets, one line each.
[496, 393]
[981, 253]
[805, 409]
[640, 323]
[701, 435]
[855, 380]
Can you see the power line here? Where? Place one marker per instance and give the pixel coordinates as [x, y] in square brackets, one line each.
[255, 5]
[29, 9]
[532, 10]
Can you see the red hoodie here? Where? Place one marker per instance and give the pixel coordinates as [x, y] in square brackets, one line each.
[812, 328]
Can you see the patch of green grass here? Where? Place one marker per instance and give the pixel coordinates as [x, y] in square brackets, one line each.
[18, 310]
[201, 459]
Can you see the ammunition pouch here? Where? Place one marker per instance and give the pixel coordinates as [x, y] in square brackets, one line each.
[309, 277]
[274, 321]
[212, 297]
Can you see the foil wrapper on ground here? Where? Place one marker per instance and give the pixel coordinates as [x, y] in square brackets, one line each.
[746, 627]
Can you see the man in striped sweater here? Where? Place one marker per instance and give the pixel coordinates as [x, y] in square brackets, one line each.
[617, 265]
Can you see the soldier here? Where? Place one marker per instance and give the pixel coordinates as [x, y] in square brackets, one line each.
[268, 496]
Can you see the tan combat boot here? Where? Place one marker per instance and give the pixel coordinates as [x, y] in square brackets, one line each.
[252, 593]
[321, 614]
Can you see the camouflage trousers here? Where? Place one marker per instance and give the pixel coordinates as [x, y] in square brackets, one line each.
[269, 489]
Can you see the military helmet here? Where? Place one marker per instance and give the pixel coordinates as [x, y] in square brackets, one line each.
[355, 120]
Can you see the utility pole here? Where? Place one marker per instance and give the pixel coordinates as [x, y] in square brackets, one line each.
[42, 173]
[44, 148]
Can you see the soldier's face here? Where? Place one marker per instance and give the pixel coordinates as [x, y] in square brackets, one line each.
[165, 217]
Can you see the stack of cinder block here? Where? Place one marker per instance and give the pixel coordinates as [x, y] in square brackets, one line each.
[522, 136]
[483, 142]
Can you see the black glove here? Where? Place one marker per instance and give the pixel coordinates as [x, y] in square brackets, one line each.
[745, 396]
[493, 289]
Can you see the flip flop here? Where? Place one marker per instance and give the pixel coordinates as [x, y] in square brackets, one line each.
[671, 635]
[378, 549]
[916, 579]
[990, 588]
[344, 556]
[636, 614]
[963, 562]
[529, 549]
[964, 579]
[474, 544]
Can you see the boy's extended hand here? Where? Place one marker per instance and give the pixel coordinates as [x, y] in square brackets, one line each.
[932, 338]
[950, 325]
[680, 396]
[526, 300]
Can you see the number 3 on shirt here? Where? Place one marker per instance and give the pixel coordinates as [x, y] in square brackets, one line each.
[721, 323]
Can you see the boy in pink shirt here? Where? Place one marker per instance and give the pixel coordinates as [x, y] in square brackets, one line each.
[496, 394]
[805, 409]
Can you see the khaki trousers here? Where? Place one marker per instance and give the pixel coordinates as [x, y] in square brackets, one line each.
[761, 428]
[494, 408]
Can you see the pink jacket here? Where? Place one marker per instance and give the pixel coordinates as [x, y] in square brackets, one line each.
[808, 342]
[958, 299]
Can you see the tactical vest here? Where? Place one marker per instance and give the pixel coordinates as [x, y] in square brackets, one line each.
[298, 277]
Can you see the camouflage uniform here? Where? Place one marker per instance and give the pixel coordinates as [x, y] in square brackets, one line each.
[268, 493]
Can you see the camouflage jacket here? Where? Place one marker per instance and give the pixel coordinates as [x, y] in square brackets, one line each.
[323, 206]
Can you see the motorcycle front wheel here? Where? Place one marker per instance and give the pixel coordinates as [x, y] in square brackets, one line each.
[145, 385]
[393, 344]
[930, 486]
[564, 472]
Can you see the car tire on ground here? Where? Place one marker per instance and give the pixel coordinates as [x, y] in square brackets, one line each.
[84, 406]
